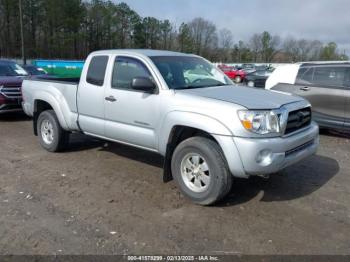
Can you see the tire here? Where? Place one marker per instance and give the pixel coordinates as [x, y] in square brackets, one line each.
[55, 139]
[206, 191]
[250, 84]
[238, 79]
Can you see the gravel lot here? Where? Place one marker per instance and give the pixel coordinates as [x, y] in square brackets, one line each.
[101, 198]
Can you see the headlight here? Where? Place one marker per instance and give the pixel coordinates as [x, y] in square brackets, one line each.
[260, 122]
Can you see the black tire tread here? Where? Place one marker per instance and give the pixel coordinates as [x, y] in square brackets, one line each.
[226, 180]
[63, 136]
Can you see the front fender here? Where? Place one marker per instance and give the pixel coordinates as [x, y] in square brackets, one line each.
[190, 119]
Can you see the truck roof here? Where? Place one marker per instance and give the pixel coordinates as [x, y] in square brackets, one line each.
[145, 52]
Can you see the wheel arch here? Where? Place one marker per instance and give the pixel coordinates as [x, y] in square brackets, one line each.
[179, 126]
[42, 104]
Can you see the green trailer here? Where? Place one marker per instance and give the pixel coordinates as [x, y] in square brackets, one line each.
[61, 68]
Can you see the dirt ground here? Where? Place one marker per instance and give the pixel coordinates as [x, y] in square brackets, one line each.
[105, 198]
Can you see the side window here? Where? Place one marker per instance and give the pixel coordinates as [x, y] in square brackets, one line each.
[329, 76]
[97, 70]
[125, 70]
[305, 75]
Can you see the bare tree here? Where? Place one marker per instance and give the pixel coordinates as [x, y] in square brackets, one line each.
[74, 28]
[204, 35]
[302, 49]
[290, 47]
[225, 44]
[256, 46]
[270, 46]
[226, 38]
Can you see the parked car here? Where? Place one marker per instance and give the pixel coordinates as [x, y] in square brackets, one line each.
[11, 77]
[34, 70]
[207, 129]
[247, 68]
[257, 78]
[233, 73]
[325, 85]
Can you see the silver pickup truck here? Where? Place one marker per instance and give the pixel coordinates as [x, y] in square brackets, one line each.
[182, 107]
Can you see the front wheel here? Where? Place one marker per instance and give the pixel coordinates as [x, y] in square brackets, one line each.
[251, 83]
[200, 170]
[52, 137]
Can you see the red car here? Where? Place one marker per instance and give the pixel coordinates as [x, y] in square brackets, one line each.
[236, 75]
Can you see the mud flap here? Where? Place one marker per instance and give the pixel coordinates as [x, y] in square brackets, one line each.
[167, 175]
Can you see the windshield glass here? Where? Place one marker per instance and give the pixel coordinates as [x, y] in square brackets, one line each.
[184, 72]
[12, 69]
[262, 73]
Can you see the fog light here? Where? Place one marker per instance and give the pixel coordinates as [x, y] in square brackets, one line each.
[264, 157]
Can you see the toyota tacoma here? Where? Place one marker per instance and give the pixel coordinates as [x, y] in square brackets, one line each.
[208, 130]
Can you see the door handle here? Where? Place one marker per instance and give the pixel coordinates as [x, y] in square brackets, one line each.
[305, 88]
[110, 99]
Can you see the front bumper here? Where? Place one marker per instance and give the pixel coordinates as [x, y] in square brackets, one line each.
[9, 106]
[269, 155]
[27, 109]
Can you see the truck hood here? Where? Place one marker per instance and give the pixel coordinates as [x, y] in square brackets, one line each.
[251, 98]
[11, 80]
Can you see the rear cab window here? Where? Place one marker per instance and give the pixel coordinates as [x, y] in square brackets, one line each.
[97, 70]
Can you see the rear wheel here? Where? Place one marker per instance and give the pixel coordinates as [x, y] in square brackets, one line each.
[200, 170]
[238, 79]
[52, 137]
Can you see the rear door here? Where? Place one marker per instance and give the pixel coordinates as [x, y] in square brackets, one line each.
[347, 95]
[90, 97]
[324, 87]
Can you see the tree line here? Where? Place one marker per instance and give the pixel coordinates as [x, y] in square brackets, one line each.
[71, 29]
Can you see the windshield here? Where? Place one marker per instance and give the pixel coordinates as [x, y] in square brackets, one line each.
[184, 72]
[12, 69]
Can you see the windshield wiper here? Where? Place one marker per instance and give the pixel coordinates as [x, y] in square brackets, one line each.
[196, 87]
[219, 84]
[189, 87]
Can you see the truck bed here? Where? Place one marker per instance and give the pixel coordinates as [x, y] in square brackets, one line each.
[58, 92]
[49, 78]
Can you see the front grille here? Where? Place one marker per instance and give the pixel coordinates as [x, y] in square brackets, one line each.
[299, 148]
[260, 83]
[11, 92]
[298, 119]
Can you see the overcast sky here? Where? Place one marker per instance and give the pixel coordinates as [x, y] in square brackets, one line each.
[324, 20]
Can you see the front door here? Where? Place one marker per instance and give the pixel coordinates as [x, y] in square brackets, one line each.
[130, 116]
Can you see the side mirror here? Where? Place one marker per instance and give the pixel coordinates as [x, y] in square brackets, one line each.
[143, 84]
